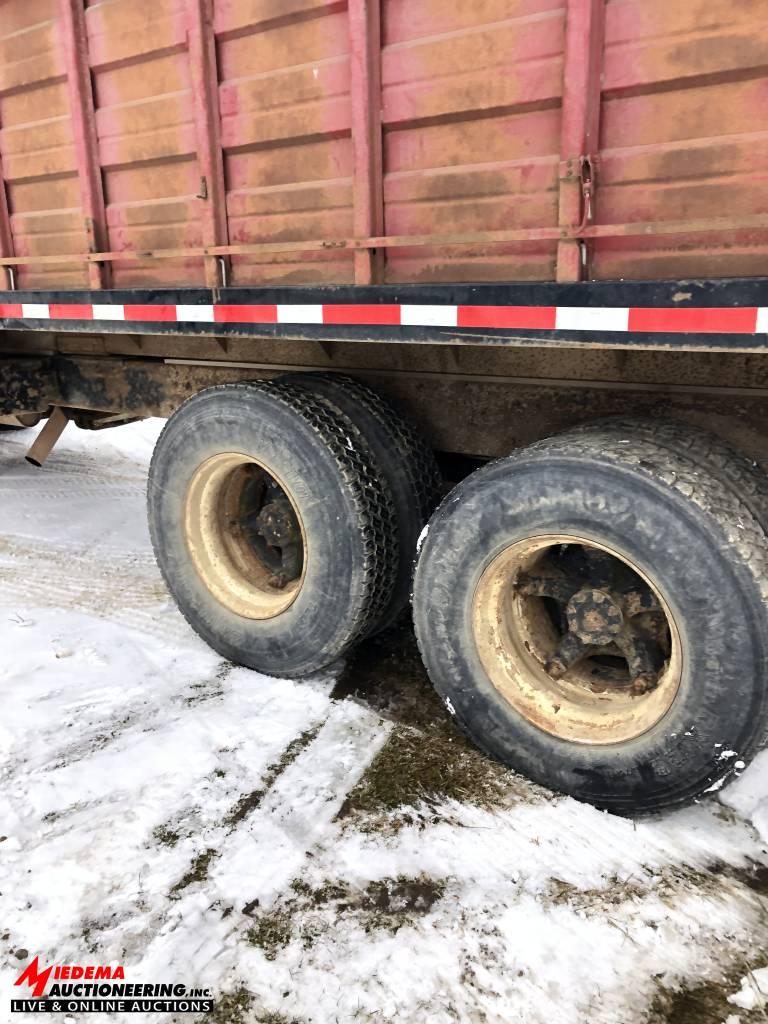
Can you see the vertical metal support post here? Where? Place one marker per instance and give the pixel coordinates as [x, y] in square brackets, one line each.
[580, 133]
[205, 88]
[6, 234]
[77, 66]
[367, 143]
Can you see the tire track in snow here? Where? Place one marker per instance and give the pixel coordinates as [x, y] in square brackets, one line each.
[110, 583]
[136, 714]
[93, 508]
[271, 847]
[78, 463]
[21, 490]
[299, 808]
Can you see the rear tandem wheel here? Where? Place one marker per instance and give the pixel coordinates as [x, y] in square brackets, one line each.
[594, 611]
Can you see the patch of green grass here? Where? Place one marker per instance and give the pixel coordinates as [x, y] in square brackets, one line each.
[427, 767]
[386, 673]
[198, 872]
[752, 874]
[230, 1008]
[270, 933]
[238, 1008]
[386, 903]
[166, 836]
[247, 803]
[427, 759]
[392, 902]
[300, 887]
[706, 1001]
[306, 913]
[328, 893]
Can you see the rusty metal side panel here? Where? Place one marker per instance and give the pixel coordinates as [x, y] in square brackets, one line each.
[148, 145]
[37, 149]
[286, 131]
[471, 107]
[182, 125]
[684, 135]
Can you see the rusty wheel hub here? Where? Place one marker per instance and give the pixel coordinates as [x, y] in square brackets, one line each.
[577, 638]
[598, 618]
[594, 617]
[245, 536]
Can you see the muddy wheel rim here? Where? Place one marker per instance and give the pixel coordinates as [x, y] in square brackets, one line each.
[245, 536]
[577, 639]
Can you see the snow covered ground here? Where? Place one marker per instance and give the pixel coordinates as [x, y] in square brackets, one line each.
[321, 851]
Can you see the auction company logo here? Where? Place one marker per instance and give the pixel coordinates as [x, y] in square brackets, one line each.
[102, 988]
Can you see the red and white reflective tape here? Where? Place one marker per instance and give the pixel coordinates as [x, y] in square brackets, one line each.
[640, 320]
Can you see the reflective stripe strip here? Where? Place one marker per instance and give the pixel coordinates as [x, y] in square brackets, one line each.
[362, 315]
[68, 311]
[245, 314]
[101, 312]
[586, 319]
[531, 318]
[35, 311]
[693, 321]
[194, 314]
[150, 314]
[429, 316]
[299, 314]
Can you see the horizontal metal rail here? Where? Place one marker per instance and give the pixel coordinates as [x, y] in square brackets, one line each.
[633, 230]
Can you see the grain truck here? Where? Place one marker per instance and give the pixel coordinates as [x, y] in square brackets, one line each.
[480, 286]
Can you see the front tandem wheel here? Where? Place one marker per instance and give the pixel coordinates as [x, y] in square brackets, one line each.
[405, 460]
[274, 529]
[594, 613]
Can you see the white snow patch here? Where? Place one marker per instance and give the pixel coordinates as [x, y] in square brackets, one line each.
[753, 993]
[749, 795]
[718, 784]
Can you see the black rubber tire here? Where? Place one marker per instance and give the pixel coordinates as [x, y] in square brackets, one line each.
[707, 450]
[405, 459]
[688, 532]
[346, 508]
